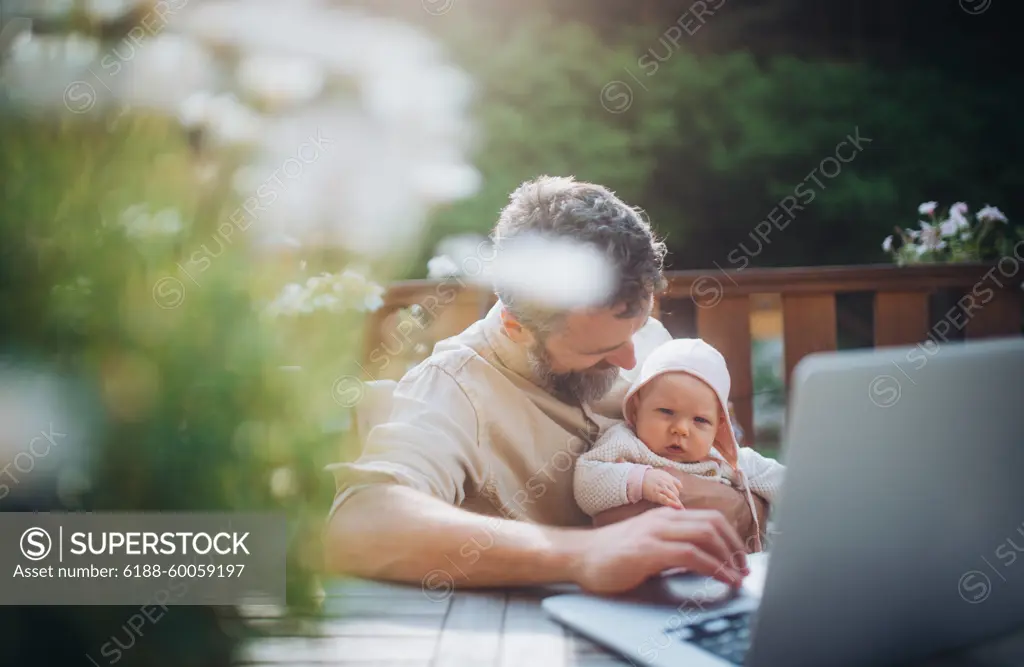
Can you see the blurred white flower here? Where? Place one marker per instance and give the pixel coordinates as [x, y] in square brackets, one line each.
[927, 208]
[395, 146]
[228, 121]
[49, 9]
[336, 293]
[887, 244]
[279, 241]
[956, 222]
[138, 223]
[165, 71]
[282, 482]
[471, 253]
[441, 266]
[365, 123]
[109, 10]
[42, 426]
[557, 273]
[951, 226]
[281, 80]
[374, 299]
[931, 238]
[991, 213]
[40, 69]
[442, 183]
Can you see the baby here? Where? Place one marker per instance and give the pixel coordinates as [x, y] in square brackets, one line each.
[675, 418]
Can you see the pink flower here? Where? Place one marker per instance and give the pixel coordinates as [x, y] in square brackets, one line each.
[927, 208]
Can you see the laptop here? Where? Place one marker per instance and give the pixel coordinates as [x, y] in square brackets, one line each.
[900, 528]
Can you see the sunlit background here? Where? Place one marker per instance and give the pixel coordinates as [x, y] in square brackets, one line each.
[207, 203]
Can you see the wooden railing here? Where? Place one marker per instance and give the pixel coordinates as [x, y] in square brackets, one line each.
[980, 301]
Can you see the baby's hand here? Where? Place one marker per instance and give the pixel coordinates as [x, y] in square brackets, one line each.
[662, 488]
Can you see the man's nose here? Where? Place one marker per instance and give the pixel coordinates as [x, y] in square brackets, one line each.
[624, 357]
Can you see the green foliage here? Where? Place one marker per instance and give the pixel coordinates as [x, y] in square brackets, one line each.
[181, 374]
[712, 143]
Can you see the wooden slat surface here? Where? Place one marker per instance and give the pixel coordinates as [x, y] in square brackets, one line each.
[493, 628]
[901, 318]
[531, 638]
[472, 630]
[1000, 316]
[809, 323]
[726, 326]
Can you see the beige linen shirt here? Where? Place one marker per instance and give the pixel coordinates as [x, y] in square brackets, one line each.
[468, 425]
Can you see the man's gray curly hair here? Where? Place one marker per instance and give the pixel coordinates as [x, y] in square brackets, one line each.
[561, 207]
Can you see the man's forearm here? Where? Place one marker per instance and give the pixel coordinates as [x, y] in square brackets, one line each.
[396, 533]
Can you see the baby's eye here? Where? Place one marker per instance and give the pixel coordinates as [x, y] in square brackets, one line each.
[666, 411]
[703, 420]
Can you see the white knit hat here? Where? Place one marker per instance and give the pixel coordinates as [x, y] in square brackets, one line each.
[701, 360]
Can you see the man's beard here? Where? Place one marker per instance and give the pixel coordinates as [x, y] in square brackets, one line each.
[583, 386]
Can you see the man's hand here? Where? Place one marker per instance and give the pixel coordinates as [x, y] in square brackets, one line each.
[700, 493]
[619, 557]
[662, 488]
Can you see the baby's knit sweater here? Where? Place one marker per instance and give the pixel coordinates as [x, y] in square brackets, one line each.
[601, 483]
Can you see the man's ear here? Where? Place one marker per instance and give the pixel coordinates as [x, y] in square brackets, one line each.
[515, 329]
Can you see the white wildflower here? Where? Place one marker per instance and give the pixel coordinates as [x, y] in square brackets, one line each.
[167, 222]
[558, 273]
[110, 10]
[442, 183]
[281, 81]
[44, 9]
[334, 293]
[289, 302]
[927, 208]
[931, 238]
[390, 151]
[949, 227]
[163, 72]
[887, 244]
[440, 267]
[44, 71]
[325, 302]
[957, 220]
[140, 224]
[374, 301]
[283, 482]
[228, 121]
[991, 213]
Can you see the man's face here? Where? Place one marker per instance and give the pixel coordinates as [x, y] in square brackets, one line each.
[583, 357]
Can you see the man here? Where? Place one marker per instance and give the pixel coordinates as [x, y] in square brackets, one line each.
[470, 479]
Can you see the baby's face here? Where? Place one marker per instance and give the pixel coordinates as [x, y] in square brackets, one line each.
[677, 417]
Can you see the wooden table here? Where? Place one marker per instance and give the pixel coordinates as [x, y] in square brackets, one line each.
[376, 624]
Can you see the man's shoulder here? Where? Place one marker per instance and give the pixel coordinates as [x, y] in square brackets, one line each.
[450, 361]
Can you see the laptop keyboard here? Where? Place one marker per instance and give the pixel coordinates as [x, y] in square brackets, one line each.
[727, 636]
